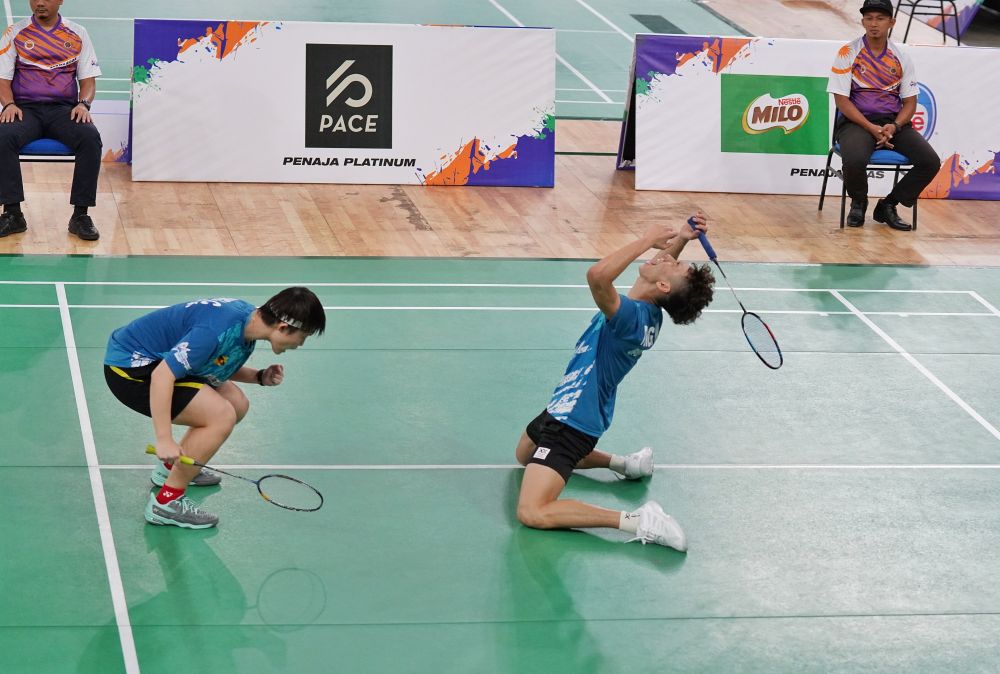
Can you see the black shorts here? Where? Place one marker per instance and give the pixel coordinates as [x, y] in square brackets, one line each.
[560, 447]
[131, 386]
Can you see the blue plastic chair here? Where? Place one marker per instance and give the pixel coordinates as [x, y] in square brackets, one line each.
[46, 149]
[880, 159]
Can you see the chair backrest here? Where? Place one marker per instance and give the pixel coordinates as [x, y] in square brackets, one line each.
[46, 149]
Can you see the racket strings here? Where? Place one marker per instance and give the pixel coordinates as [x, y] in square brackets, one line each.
[288, 492]
[762, 340]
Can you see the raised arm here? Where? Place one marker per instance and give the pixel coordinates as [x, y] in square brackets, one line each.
[601, 276]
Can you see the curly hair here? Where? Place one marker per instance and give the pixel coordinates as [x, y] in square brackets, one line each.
[684, 305]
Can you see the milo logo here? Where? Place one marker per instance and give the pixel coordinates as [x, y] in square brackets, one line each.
[753, 105]
[788, 113]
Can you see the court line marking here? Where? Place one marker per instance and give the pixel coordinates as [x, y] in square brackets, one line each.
[606, 20]
[97, 489]
[801, 312]
[363, 284]
[610, 91]
[976, 296]
[559, 58]
[607, 102]
[920, 367]
[7, 11]
[514, 466]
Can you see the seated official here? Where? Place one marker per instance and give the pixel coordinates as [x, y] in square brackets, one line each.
[41, 60]
[875, 87]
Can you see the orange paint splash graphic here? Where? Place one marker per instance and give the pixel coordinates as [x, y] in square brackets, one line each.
[468, 161]
[226, 37]
[951, 175]
[722, 52]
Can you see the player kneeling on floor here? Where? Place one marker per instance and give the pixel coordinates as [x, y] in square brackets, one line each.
[564, 436]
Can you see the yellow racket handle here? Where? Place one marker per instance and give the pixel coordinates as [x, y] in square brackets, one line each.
[183, 459]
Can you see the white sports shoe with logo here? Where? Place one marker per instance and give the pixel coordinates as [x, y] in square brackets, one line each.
[656, 526]
[639, 464]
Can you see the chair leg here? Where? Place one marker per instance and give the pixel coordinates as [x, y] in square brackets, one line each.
[907, 33]
[958, 35]
[826, 176]
[915, 215]
[843, 205]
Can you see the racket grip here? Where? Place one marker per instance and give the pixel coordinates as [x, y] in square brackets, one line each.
[183, 459]
[703, 239]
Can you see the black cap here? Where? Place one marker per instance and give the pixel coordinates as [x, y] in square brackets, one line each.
[878, 6]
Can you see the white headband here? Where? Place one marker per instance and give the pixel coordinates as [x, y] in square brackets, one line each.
[285, 319]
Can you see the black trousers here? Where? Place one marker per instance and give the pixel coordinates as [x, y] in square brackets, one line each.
[857, 145]
[50, 120]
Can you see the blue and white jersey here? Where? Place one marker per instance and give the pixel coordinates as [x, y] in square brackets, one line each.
[605, 353]
[203, 338]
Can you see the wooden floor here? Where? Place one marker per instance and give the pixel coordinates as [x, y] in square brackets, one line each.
[592, 209]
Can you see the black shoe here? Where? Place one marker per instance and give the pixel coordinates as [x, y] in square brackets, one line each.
[83, 227]
[856, 216]
[12, 223]
[886, 213]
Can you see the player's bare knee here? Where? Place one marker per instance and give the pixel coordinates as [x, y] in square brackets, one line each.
[533, 516]
[226, 417]
[241, 406]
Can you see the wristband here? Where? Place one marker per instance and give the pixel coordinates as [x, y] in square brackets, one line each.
[7, 106]
[83, 103]
[897, 125]
[260, 377]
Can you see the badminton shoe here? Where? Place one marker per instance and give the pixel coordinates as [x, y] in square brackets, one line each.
[202, 479]
[639, 464]
[656, 526]
[181, 512]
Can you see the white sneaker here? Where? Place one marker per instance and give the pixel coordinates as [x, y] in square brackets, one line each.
[639, 464]
[656, 526]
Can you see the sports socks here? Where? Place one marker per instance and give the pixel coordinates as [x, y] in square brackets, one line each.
[79, 210]
[628, 522]
[12, 208]
[617, 464]
[168, 494]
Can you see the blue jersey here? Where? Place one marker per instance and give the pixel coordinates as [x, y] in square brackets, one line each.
[203, 338]
[585, 398]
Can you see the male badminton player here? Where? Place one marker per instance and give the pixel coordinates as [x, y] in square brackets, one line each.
[564, 436]
[179, 364]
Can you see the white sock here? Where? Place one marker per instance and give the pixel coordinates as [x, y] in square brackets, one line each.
[628, 522]
[617, 464]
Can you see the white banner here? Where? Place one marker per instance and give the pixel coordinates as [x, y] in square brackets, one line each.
[719, 114]
[344, 103]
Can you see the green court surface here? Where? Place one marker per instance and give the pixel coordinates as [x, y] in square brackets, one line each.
[593, 40]
[841, 512]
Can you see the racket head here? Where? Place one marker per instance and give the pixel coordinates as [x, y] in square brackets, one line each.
[289, 493]
[762, 340]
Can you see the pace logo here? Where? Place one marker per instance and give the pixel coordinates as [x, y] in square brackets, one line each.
[349, 95]
[925, 117]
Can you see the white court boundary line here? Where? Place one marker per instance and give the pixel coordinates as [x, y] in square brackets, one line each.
[364, 284]
[97, 489]
[6, 9]
[920, 367]
[262, 467]
[500, 8]
[346, 307]
[606, 20]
